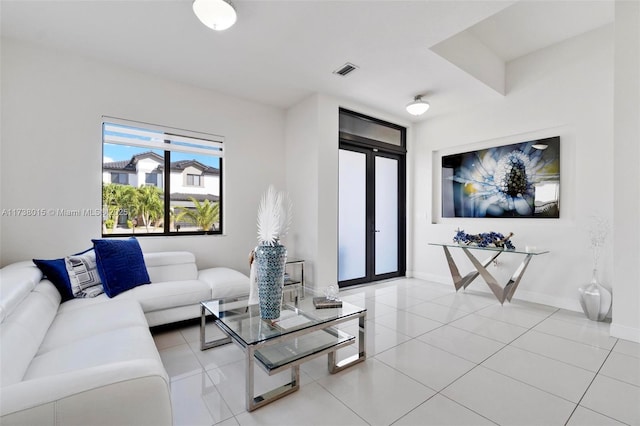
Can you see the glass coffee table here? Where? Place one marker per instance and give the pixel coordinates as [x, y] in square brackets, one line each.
[300, 334]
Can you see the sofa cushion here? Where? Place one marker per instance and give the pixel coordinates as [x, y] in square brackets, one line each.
[71, 325]
[168, 294]
[113, 346]
[56, 271]
[81, 303]
[120, 265]
[171, 266]
[83, 275]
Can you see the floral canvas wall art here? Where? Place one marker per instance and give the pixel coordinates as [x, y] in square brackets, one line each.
[520, 180]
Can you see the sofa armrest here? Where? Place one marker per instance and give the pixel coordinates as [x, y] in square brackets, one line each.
[131, 392]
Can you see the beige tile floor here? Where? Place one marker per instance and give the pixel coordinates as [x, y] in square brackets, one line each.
[435, 357]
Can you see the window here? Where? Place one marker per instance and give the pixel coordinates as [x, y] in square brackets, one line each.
[144, 191]
[194, 180]
[121, 178]
[151, 179]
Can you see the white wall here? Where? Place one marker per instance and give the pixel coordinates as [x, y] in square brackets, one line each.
[626, 189]
[148, 165]
[312, 176]
[302, 183]
[564, 90]
[312, 182]
[52, 103]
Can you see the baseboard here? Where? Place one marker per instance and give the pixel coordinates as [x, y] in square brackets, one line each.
[624, 332]
[620, 331]
[432, 278]
[527, 296]
[569, 304]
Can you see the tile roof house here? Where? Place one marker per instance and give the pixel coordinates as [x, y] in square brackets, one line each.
[189, 178]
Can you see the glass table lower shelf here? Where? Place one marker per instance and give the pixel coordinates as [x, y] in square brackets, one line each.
[279, 357]
[300, 334]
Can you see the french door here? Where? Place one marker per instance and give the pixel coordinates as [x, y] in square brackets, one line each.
[371, 238]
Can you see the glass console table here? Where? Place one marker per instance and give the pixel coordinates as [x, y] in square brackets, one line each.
[300, 334]
[502, 293]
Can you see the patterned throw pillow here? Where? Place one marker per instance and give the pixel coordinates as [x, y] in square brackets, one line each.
[83, 275]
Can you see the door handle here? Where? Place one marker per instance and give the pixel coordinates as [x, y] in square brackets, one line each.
[376, 230]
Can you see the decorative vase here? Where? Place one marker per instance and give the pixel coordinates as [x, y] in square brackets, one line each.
[595, 299]
[270, 261]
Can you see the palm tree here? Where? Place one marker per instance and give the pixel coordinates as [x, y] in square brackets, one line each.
[116, 198]
[204, 216]
[147, 203]
[109, 199]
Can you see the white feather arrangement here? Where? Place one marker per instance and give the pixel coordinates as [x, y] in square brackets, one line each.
[274, 216]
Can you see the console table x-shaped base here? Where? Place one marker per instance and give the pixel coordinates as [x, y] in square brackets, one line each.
[501, 293]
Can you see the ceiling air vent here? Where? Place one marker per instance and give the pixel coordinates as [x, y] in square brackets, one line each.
[345, 69]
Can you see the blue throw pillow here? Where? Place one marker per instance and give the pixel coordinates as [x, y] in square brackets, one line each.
[56, 271]
[120, 265]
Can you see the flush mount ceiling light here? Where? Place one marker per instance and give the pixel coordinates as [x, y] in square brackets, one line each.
[540, 146]
[215, 14]
[418, 106]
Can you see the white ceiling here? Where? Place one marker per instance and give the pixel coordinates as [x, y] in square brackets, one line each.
[533, 25]
[279, 52]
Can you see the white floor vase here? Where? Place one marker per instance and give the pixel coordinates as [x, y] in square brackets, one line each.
[595, 299]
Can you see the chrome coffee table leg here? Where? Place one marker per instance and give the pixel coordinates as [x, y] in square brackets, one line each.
[255, 402]
[204, 344]
[336, 366]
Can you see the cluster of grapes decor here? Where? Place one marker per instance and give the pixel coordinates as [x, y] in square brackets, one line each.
[487, 239]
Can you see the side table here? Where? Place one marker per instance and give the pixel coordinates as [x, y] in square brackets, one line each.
[502, 293]
[294, 275]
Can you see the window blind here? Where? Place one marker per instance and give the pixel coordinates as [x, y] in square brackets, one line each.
[125, 132]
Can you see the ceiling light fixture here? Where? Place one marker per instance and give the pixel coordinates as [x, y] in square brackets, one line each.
[418, 106]
[215, 14]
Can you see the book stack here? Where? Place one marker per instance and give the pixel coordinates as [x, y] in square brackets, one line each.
[323, 302]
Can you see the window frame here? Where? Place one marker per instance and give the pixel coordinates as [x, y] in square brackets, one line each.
[172, 135]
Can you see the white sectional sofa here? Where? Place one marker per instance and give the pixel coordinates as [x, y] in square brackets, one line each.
[177, 288]
[93, 361]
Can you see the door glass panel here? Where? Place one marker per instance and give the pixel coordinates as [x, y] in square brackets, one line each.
[352, 216]
[386, 208]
